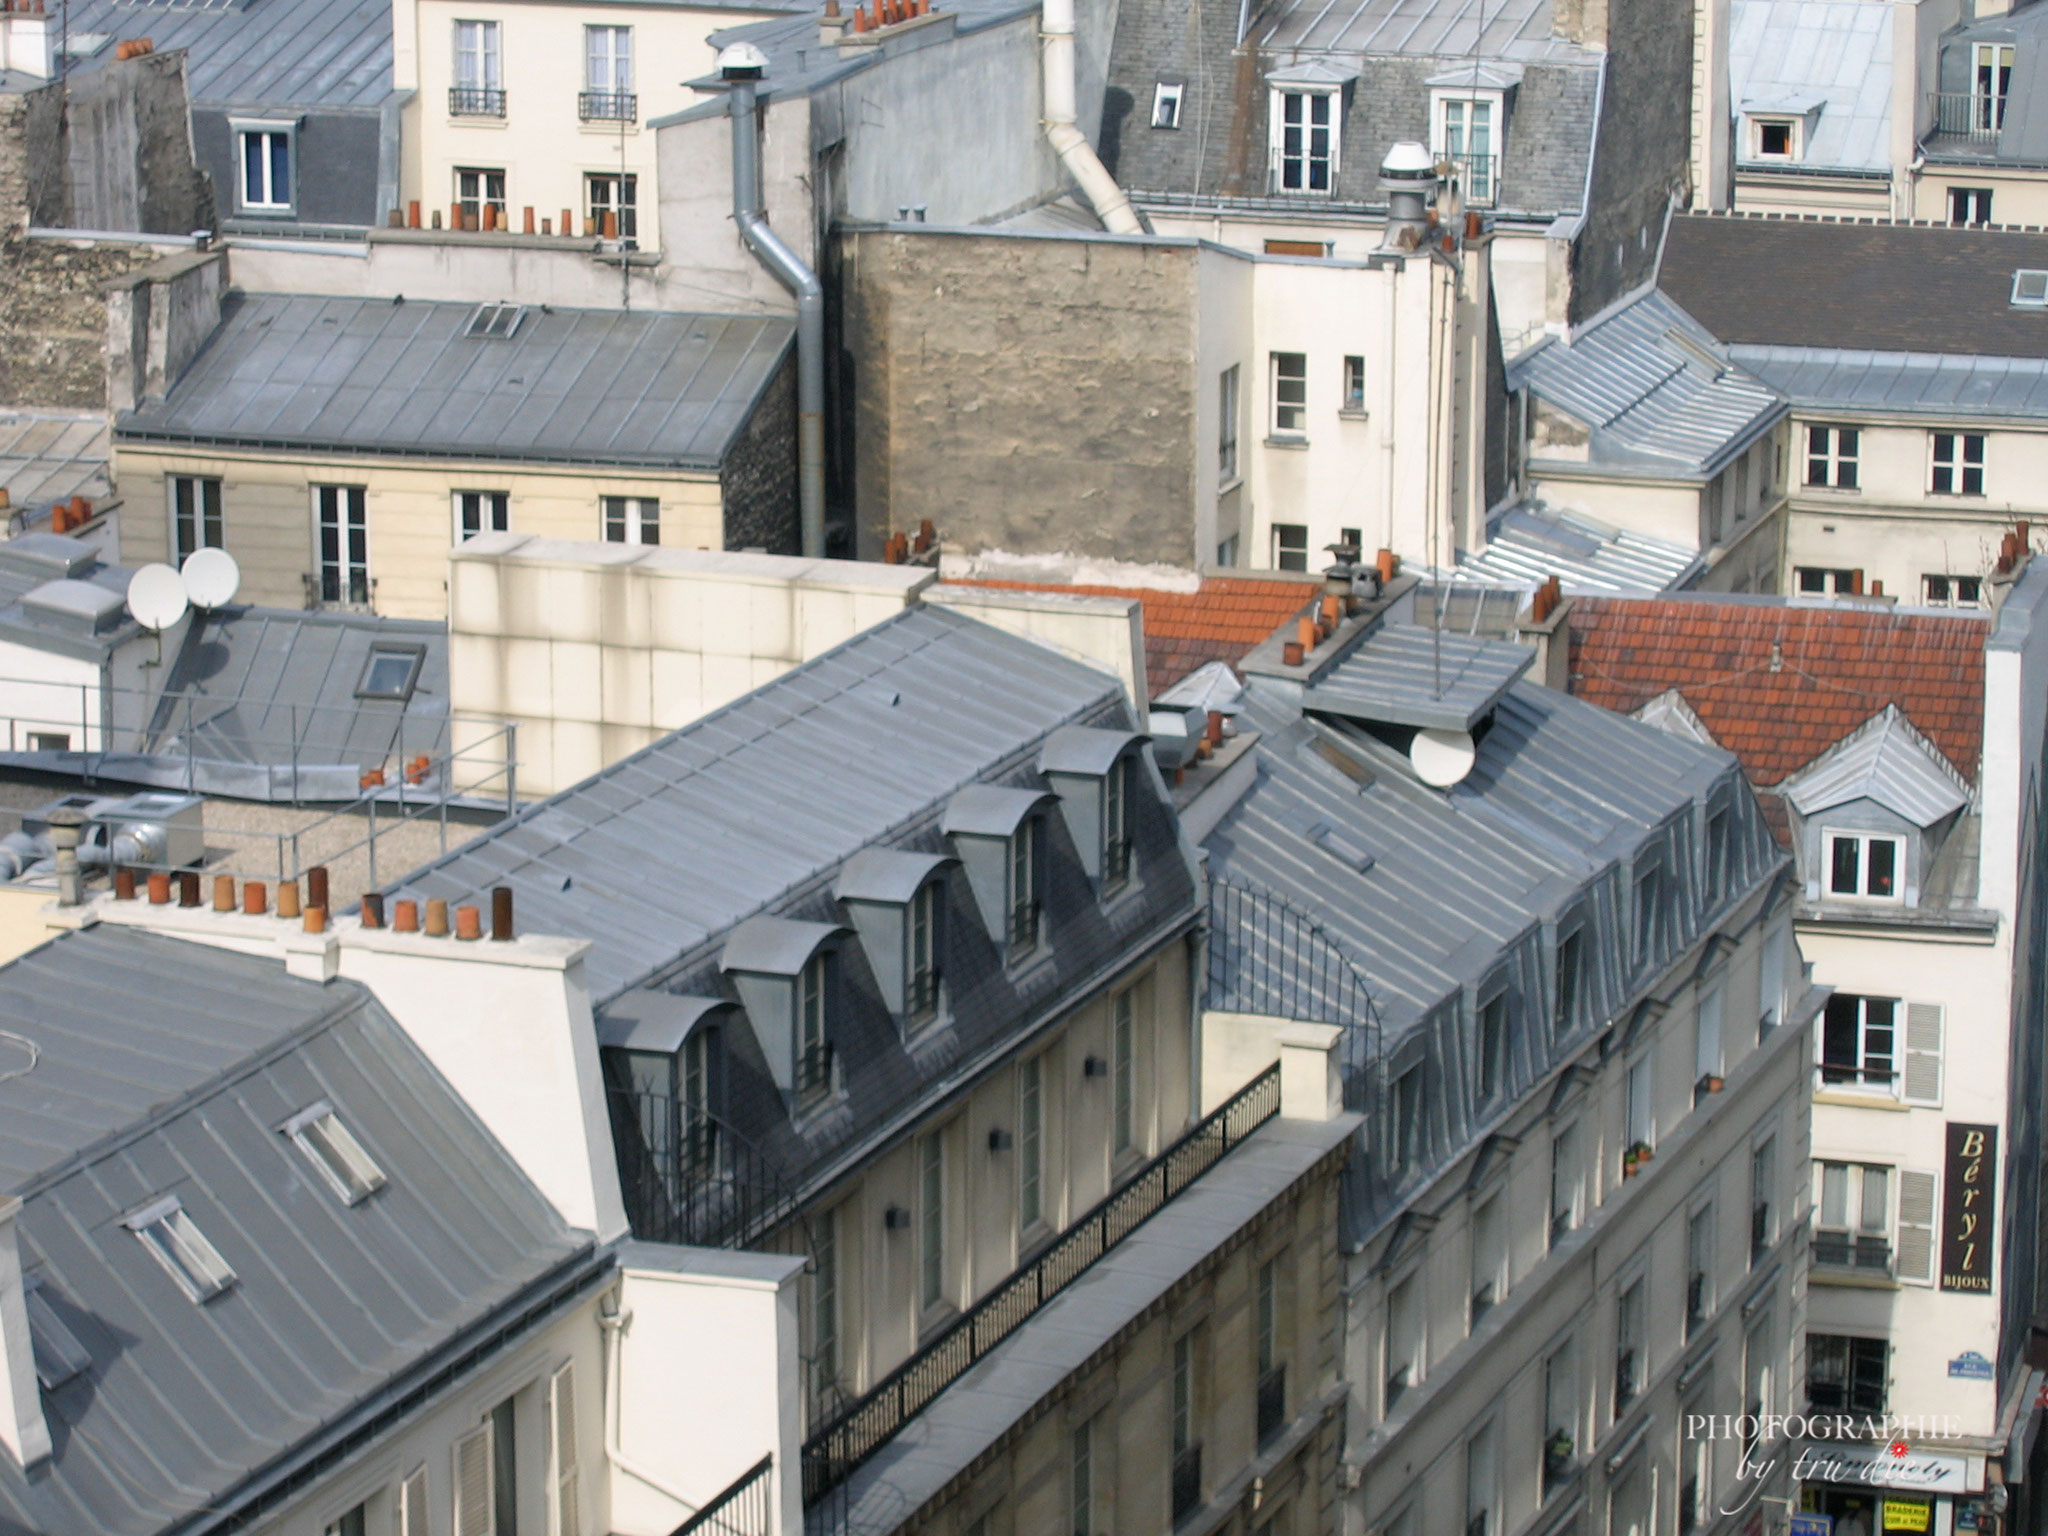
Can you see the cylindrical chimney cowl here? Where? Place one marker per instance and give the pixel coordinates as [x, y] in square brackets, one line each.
[501, 913]
[124, 884]
[255, 899]
[316, 886]
[1408, 178]
[373, 909]
[405, 917]
[223, 893]
[67, 826]
[159, 888]
[469, 923]
[188, 887]
[437, 917]
[287, 899]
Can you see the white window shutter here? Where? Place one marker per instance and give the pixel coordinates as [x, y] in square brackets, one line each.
[562, 1450]
[412, 1505]
[1923, 1054]
[475, 1511]
[1914, 1260]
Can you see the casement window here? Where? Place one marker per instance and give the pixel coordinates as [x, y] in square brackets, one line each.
[1226, 425]
[1290, 394]
[355, 1522]
[931, 1218]
[480, 191]
[1630, 1495]
[608, 76]
[175, 1241]
[1852, 1217]
[1819, 581]
[1695, 1471]
[1708, 1055]
[1864, 866]
[1493, 1046]
[1482, 1482]
[1720, 853]
[1774, 138]
[1404, 1367]
[1763, 1199]
[1354, 386]
[1831, 456]
[1124, 1071]
[479, 86]
[1845, 1374]
[1859, 1042]
[675, 1092]
[1650, 898]
[195, 514]
[1290, 546]
[343, 543]
[1271, 1369]
[1560, 1414]
[1024, 903]
[921, 955]
[264, 181]
[825, 1303]
[1468, 135]
[1990, 84]
[504, 1422]
[409, 1514]
[1031, 1142]
[1630, 1361]
[481, 512]
[1116, 823]
[1699, 1269]
[1565, 1182]
[1085, 1482]
[1770, 1004]
[332, 1149]
[1407, 1127]
[1759, 1380]
[1969, 205]
[631, 519]
[1166, 99]
[1305, 140]
[1489, 1259]
[614, 194]
[1186, 1426]
[1956, 464]
[565, 1502]
[813, 1038]
[1571, 978]
[1952, 591]
[1640, 1133]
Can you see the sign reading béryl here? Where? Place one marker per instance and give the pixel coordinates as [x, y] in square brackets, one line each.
[1966, 1219]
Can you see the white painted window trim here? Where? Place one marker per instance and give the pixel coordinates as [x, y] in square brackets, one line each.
[1440, 99]
[1276, 125]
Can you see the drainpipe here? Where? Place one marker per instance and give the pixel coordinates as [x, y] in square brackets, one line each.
[1068, 141]
[742, 65]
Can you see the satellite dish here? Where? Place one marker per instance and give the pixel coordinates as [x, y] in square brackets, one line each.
[156, 596]
[211, 578]
[1442, 758]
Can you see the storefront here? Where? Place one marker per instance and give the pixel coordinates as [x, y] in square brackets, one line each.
[1887, 1490]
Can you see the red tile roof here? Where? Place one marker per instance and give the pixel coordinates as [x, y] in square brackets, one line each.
[1183, 630]
[1777, 684]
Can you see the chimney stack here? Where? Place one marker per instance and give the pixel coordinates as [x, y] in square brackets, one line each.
[23, 1433]
[1408, 178]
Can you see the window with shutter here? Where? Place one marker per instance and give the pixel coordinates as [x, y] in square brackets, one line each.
[475, 1512]
[412, 1504]
[1915, 1259]
[562, 1450]
[1923, 1054]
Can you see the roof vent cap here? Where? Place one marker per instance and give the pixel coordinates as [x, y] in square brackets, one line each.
[1408, 163]
[742, 61]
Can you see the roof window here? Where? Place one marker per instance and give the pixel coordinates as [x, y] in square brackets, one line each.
[496, 322]
[168, 1231]
[349, 1170]
[58, 1354]
[391, 672]
[2030, 289]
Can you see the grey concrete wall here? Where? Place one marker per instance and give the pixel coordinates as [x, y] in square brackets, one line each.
[1642, 151]
[758, 483]
[1027, 394]
[158, 318]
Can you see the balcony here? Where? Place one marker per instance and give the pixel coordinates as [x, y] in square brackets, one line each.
[607, 106]
[686, 1177]
[1848, 1076]
[744, 1509]
[1478, 176]
[845, 1442]
[1858, 1252]
[1963, 118]
[476, 101]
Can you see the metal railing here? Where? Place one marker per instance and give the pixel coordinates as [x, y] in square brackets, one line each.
[475, 101]
[688, 1177]
[1852, 1250]
[1967, 115]
[607, 106]
[744, 1509]
[1478, 175]
[871, 1421]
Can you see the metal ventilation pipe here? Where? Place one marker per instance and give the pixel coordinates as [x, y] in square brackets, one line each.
[1071, 144]
[742, 65]
[1408, 177]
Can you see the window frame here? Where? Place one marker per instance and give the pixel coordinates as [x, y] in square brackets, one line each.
[166, 1229]
[1168, 97]
[932, 1220]
[286, 137]
[2029, 288]
[492, 509]
[613, 84]
[1835, 838]
[622, 197]
[1353, 397]
[1287, 371]
[1023, 896]
[1795, 137]
[1493, 1025]
[414, 655]
[1972, 201]
[1955, 463]
[1228, 408]
[638, 516]
[201, 511]
[1848, 1235]
[1849, 1361]
[1031, 1203]
[342, 512]
[1126, 1138]
[923, 975]
[344, 1164]
[1304, 164]
[1631, 1341]
[1858, 1075]
[1701, 1285]
[1945, 589]
[811, 1027]
[1283, 550]
[487, 190]
[1482, 186]
[1838, 450]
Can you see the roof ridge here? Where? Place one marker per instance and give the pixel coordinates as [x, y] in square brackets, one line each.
[1773, 216]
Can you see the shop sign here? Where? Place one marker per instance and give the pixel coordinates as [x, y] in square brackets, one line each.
[1966, 1215]
[1813, 1525]
[1879, 1466]
[1905, 1514]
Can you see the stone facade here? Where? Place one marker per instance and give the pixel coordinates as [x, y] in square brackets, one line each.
[759, 477]
[53, 317]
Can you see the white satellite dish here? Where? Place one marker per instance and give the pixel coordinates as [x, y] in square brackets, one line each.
[211, 578]
[156, 596]
[1442, 758]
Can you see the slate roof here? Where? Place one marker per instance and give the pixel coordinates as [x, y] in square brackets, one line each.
[1880, 287]
[1653, 387]
[1528, 543]
[1905, 383]
[378, 376]
[1441, 29]
[166, 1067]
[1184, 630]
[307, 53]
[1778, 683]
[1833, 57]
[1887, 761]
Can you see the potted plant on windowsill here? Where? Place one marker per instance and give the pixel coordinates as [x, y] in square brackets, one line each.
[1557, 1453]
[1633, 1159]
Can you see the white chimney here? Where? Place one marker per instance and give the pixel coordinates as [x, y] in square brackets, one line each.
[23, 1434]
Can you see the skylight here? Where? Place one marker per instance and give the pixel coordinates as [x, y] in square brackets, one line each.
[349, 1170]
[59, 1356]
[2030, 289]
[171, 1235]
[496, 321]
[390, 672]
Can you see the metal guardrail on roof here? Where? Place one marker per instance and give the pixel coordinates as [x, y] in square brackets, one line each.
[744, 1509]
[871, 1421]
[1968, 115]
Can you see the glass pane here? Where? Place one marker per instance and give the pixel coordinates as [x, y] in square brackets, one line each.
[252, 168]
[1876, 1199]
[280, 168]
[1880, 858]
[1843, 859]
[1834, 1194]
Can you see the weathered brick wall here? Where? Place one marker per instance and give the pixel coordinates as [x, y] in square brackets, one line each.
[13, 162]
[53, 318]
[1027, 394]
[759, 479]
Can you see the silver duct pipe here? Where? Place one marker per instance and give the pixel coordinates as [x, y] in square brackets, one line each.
[742, 65]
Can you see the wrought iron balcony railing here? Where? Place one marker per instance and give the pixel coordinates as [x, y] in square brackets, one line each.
[607, 106]
[475, 101]
[744, 1509]
[1859, 1251]
[1968, 115]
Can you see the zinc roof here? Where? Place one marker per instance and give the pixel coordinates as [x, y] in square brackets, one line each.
[1529, 543]
[1829, 58]
[1445, 29]
[1886, 761]
[384, 376]
[1404, 674]
[164, 1067]
[1905, 383]
[1654, 387]
[48, 456]
[307, 53]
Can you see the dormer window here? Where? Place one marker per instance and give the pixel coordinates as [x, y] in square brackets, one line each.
[788, 981]
[999, 835]
[921, 964]
[1093, 771]
[1864, 866]
[664, 1065]
[1116, 825]
[1305, 116]
[1022, 902]
[895, 900]
[1774, 138]
[814, 1050]
[1649, 905]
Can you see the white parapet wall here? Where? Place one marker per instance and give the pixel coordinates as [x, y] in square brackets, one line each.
[594, 650]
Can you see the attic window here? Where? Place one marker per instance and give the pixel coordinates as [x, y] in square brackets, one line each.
[175, 1241]
[391, 672]
[2030, 289]
[496, 322]
[1166, 104]
[58, 1354]
[1776, 138]
[349, 1170]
